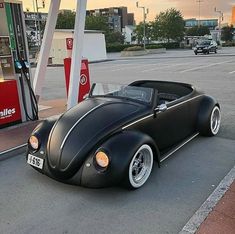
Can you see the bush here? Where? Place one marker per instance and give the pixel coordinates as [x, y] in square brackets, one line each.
[134, 48]
[228, 44]
[171, 45]
[154, 46]
[116, 47]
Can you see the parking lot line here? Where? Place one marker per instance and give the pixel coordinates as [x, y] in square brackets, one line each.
[136, 65]
[167, 66]
[205, 66]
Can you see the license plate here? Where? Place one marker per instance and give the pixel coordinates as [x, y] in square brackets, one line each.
[35, 161]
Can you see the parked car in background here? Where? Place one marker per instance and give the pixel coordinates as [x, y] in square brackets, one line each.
[205, 47]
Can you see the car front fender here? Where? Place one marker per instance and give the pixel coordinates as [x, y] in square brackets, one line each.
[120, 148]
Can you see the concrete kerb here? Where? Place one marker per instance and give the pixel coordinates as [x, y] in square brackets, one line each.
[20, 148]
[201, 214]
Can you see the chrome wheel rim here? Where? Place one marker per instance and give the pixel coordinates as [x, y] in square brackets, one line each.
[215, 120]
[141, 166]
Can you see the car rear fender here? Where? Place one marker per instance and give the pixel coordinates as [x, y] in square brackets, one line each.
[120, 148]
[205, 109]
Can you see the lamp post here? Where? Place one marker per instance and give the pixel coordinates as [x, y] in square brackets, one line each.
[199, 12]
[145, 12]
[221, 18]
[39, 24]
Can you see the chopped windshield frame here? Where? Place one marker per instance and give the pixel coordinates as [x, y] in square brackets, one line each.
[135, 93]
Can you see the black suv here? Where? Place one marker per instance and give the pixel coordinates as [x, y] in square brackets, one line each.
[206, 47]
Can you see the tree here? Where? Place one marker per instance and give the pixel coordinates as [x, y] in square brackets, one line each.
[66, 20]
[139, 32]
[227, 33]
[97, 23]
[198, 31]
[169, 25]
[114, 37]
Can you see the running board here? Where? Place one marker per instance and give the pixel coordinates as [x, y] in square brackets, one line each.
[166, 156]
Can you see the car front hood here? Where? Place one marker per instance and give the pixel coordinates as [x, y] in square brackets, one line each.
[82, 127]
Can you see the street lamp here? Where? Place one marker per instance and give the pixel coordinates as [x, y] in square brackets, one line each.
[221, 18]
[39, 25]
[145, 12]
[199, 12]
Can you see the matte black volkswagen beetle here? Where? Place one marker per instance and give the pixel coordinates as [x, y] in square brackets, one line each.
[114, 135]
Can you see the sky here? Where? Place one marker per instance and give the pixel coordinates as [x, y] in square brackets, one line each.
[189, 8]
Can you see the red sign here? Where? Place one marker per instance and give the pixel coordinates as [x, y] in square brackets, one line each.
[9, 105]
[69, 43]
[1, 5]
[84, 86]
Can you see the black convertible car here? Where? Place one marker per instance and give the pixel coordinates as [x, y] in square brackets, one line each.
[114, 136]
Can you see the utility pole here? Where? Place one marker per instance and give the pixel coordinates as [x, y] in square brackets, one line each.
[39, 23]
[199, 12]
[145, 12]
[221, 18]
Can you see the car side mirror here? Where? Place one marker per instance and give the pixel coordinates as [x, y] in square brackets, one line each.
[161, 108]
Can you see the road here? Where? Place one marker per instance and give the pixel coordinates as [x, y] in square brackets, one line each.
[33, 203]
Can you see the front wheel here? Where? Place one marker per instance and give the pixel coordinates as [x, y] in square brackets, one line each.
[140, 167]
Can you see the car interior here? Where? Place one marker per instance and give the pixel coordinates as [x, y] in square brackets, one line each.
[167, 91]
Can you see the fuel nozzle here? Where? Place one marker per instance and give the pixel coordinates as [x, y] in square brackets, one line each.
[18, 66]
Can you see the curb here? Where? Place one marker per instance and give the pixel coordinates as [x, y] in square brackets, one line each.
[201, 214]
[12, 152]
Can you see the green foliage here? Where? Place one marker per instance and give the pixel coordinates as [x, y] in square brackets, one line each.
[114, 37]
[97, 23]
[168, 25]
[154, 46]
[116, 47]
[66, 20]
[134, 48]
[227, 33]
[139, 32]
[198, 31]
[228, 44]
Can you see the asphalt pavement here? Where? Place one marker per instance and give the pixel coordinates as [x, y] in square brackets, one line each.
[33, 203]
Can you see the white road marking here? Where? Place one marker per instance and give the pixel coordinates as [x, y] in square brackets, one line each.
[167, 66]
[205, 66]
[231, 72]
[136, 65]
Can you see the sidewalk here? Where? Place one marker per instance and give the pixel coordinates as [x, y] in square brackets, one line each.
[221, 220]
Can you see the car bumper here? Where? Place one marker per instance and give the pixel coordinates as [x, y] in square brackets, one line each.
[87, 175]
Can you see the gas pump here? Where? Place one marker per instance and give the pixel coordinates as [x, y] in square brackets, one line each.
[14, 67]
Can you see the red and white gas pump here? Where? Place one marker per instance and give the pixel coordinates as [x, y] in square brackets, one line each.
[17, 100]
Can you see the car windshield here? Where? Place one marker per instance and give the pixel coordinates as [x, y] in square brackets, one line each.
[123, 91]
[204, 43]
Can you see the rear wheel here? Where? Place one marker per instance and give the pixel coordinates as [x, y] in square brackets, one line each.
[213, 123]
[140, 167]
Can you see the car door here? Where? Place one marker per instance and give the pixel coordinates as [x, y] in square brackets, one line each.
[168, 127]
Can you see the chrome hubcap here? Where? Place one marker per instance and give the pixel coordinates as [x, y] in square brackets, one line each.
[141, 166]
[215, 120]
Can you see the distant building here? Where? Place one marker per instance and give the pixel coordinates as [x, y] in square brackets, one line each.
[118, 17]
[130, 19]
[233, 16]
[32, 22]
[210, 23]
[128, 33]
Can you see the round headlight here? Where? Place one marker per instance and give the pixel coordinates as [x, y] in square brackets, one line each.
[102, 159]
[33, 141]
